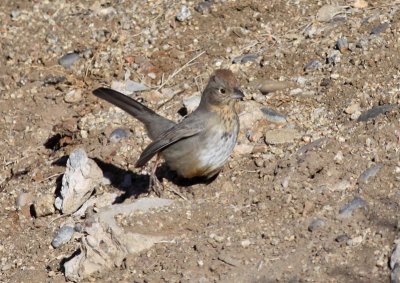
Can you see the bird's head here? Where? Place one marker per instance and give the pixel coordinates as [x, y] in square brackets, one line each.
[222, 89]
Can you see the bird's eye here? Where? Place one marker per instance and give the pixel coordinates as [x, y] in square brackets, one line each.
[222, 90]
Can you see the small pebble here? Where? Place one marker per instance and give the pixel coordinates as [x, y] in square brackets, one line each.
[229, 260]
[52, 38]
[335, 76]
[355, 241]
[245, 58]
[245, 243]
[360, 4]
[131, 86]
[342, 238]
[340, 186]
[316, 223]
[203, 7]
[374, 112]
[328, 12]
[273, 116]
[301, 80]
[78, 227]
[268, 86]
[15, 13]
[259, 162]
[244, 148]
[325, 82]
[73, 96]
[346, 210]
[44, 206]
[342, 44]
[191, 102]
[53, 80]
[6, 267]
[152, 75]
[352, 108]
[380, 28]
[117, 135]
[68, 59]
[296, 91]
[333, 57]
[370, 172]
[362, 43]
[23, 199]
[281, 136]
[313, 65]
[275, 241]
[87, 53]
[106, 11]
[63, 235]
[183, 14]
[338, 157]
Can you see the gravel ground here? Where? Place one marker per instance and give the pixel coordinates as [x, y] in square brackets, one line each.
[311, 192]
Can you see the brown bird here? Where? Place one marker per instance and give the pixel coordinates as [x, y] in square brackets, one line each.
[201, 143]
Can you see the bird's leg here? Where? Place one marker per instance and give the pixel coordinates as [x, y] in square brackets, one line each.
[155, 184]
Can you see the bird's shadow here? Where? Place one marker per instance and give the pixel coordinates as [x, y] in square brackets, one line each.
[130, 183]
[133, 184]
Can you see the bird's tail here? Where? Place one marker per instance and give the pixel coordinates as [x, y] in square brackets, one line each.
[154, 123]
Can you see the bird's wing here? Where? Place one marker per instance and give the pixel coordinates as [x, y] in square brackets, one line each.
[188, 128]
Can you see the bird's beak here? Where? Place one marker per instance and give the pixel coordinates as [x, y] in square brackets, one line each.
[237, 93]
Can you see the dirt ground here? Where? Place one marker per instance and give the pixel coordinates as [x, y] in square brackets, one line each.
[277, 212]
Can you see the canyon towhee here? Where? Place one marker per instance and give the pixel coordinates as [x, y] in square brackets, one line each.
[200, 144]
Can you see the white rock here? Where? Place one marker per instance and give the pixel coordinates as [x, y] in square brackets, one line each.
[106, 245]
[80, 178]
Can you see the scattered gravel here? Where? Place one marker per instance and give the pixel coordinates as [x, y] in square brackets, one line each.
[327, 73]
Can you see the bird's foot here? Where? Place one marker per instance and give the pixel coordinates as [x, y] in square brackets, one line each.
[155, 185]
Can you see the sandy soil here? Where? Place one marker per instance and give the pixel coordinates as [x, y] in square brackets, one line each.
[277, 212]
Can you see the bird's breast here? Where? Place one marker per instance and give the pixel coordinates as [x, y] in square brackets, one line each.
[219, 141]
[204, 155]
